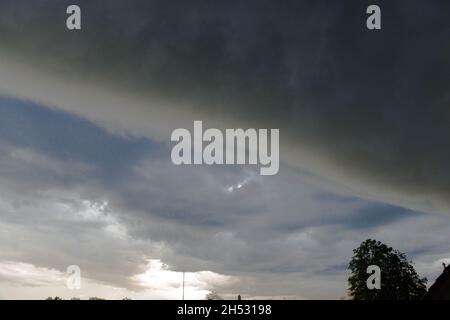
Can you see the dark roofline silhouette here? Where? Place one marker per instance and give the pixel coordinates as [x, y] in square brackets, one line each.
[440, 290]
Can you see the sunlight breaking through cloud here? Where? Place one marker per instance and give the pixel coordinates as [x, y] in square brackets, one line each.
[197, 285]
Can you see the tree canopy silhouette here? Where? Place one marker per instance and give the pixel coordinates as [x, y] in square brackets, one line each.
[399, 280]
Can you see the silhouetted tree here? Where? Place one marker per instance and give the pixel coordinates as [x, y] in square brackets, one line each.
[399, 280]
[213, 296]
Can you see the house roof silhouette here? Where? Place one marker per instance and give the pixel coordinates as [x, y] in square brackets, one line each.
[440, 290]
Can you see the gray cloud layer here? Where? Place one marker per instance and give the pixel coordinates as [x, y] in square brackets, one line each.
[364, 110]
[370, 106]
[284, 235]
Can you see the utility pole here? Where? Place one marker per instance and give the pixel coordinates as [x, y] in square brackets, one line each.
[183, 285]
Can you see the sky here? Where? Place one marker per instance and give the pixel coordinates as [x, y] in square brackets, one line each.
[86, 177]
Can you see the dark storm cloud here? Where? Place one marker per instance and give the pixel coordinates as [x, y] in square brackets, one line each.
[373, 105]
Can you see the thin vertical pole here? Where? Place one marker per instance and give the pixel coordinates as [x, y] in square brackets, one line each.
[183, 285]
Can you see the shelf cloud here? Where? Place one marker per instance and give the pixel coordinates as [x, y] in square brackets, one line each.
[363, 118]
